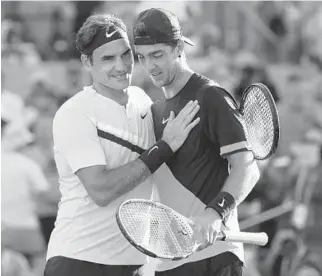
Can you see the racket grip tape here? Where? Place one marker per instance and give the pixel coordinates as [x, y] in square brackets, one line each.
[244, 237]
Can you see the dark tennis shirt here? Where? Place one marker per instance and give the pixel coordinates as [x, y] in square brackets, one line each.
[200, 164]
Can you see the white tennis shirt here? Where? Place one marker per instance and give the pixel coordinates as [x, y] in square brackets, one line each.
[84, 230]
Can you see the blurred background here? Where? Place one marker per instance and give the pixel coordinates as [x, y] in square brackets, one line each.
[278, 43]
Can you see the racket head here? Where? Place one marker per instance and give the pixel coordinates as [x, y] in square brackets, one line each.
[156, 230]
[261, 120]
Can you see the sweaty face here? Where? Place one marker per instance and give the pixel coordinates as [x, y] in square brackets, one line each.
[159, 61]
[112, 64]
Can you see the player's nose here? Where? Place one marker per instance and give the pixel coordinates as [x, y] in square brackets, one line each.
[149, 65]
[120, 65]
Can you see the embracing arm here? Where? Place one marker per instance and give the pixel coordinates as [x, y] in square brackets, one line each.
[104, 185]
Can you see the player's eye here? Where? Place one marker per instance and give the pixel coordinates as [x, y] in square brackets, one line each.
[108, 58]
[127, 53]
[158, 55]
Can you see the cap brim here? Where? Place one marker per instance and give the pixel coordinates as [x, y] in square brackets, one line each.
[188, 41]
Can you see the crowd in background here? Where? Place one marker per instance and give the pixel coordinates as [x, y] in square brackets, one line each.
[39, 76]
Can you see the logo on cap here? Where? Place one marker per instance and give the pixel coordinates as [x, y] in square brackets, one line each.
[108, 34]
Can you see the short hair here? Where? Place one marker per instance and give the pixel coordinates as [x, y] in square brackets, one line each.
[93, 25]
[173, 43]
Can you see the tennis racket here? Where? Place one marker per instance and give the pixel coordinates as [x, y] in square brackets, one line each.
[160, 232]
[261, 120]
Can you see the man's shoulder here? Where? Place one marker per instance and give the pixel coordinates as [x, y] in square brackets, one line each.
[214, 93]
[139, 93]
[136, 89]
[207, 87]
[80, 102]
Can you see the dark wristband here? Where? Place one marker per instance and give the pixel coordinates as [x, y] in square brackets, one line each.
[223, 203]
[155, 156]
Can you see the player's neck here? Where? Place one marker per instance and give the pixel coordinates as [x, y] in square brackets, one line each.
[119, 96]
[181, 78]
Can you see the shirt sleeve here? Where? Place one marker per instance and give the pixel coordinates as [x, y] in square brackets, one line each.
[224, 123]
[76, 139]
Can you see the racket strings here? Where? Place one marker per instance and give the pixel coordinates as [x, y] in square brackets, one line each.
[157, 229]
[259, 122]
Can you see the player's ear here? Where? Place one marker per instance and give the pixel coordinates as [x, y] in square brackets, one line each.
[87, 62]
[180, 48]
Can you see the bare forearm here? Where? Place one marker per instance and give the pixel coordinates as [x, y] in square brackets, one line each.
[121, 180]
[241, 181]
[127, 177]
[104, 185]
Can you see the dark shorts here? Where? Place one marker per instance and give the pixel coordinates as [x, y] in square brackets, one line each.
[62, 266]
[225, 264]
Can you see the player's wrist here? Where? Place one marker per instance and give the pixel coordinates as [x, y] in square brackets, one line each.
[169, 143]
[156, 155]
[213, 213]
[224, 203]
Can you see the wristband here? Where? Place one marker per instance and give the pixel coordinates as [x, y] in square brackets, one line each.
[223, 203]
[155, 156]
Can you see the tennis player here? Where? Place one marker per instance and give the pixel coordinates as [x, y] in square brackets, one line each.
[104, 148]
[215, 169]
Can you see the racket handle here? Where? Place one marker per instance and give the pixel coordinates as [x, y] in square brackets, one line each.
[244, 237]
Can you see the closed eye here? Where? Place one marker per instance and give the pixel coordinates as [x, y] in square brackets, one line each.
[126, 52]
[106, 58]
[157, 55]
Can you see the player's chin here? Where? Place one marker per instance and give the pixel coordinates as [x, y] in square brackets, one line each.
[158, 82]
[122, 84]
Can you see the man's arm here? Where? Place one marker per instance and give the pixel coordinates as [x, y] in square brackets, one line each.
[105, 185]
[243, 175]
[242, 178]
[224, 126]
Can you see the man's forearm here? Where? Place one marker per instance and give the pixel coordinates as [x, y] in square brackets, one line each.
[241, 181]
[105, 184]
[123, 179]
[127, 177]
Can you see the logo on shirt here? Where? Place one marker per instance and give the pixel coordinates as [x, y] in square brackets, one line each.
[222, 203]
[183, 231]
[164, 120]
[154, 148]
[143, 116]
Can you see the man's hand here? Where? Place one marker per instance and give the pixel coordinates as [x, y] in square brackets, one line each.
[208, 225]
[177, 129]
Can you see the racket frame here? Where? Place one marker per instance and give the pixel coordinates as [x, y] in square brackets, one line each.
[273, 109]
[139, 247]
